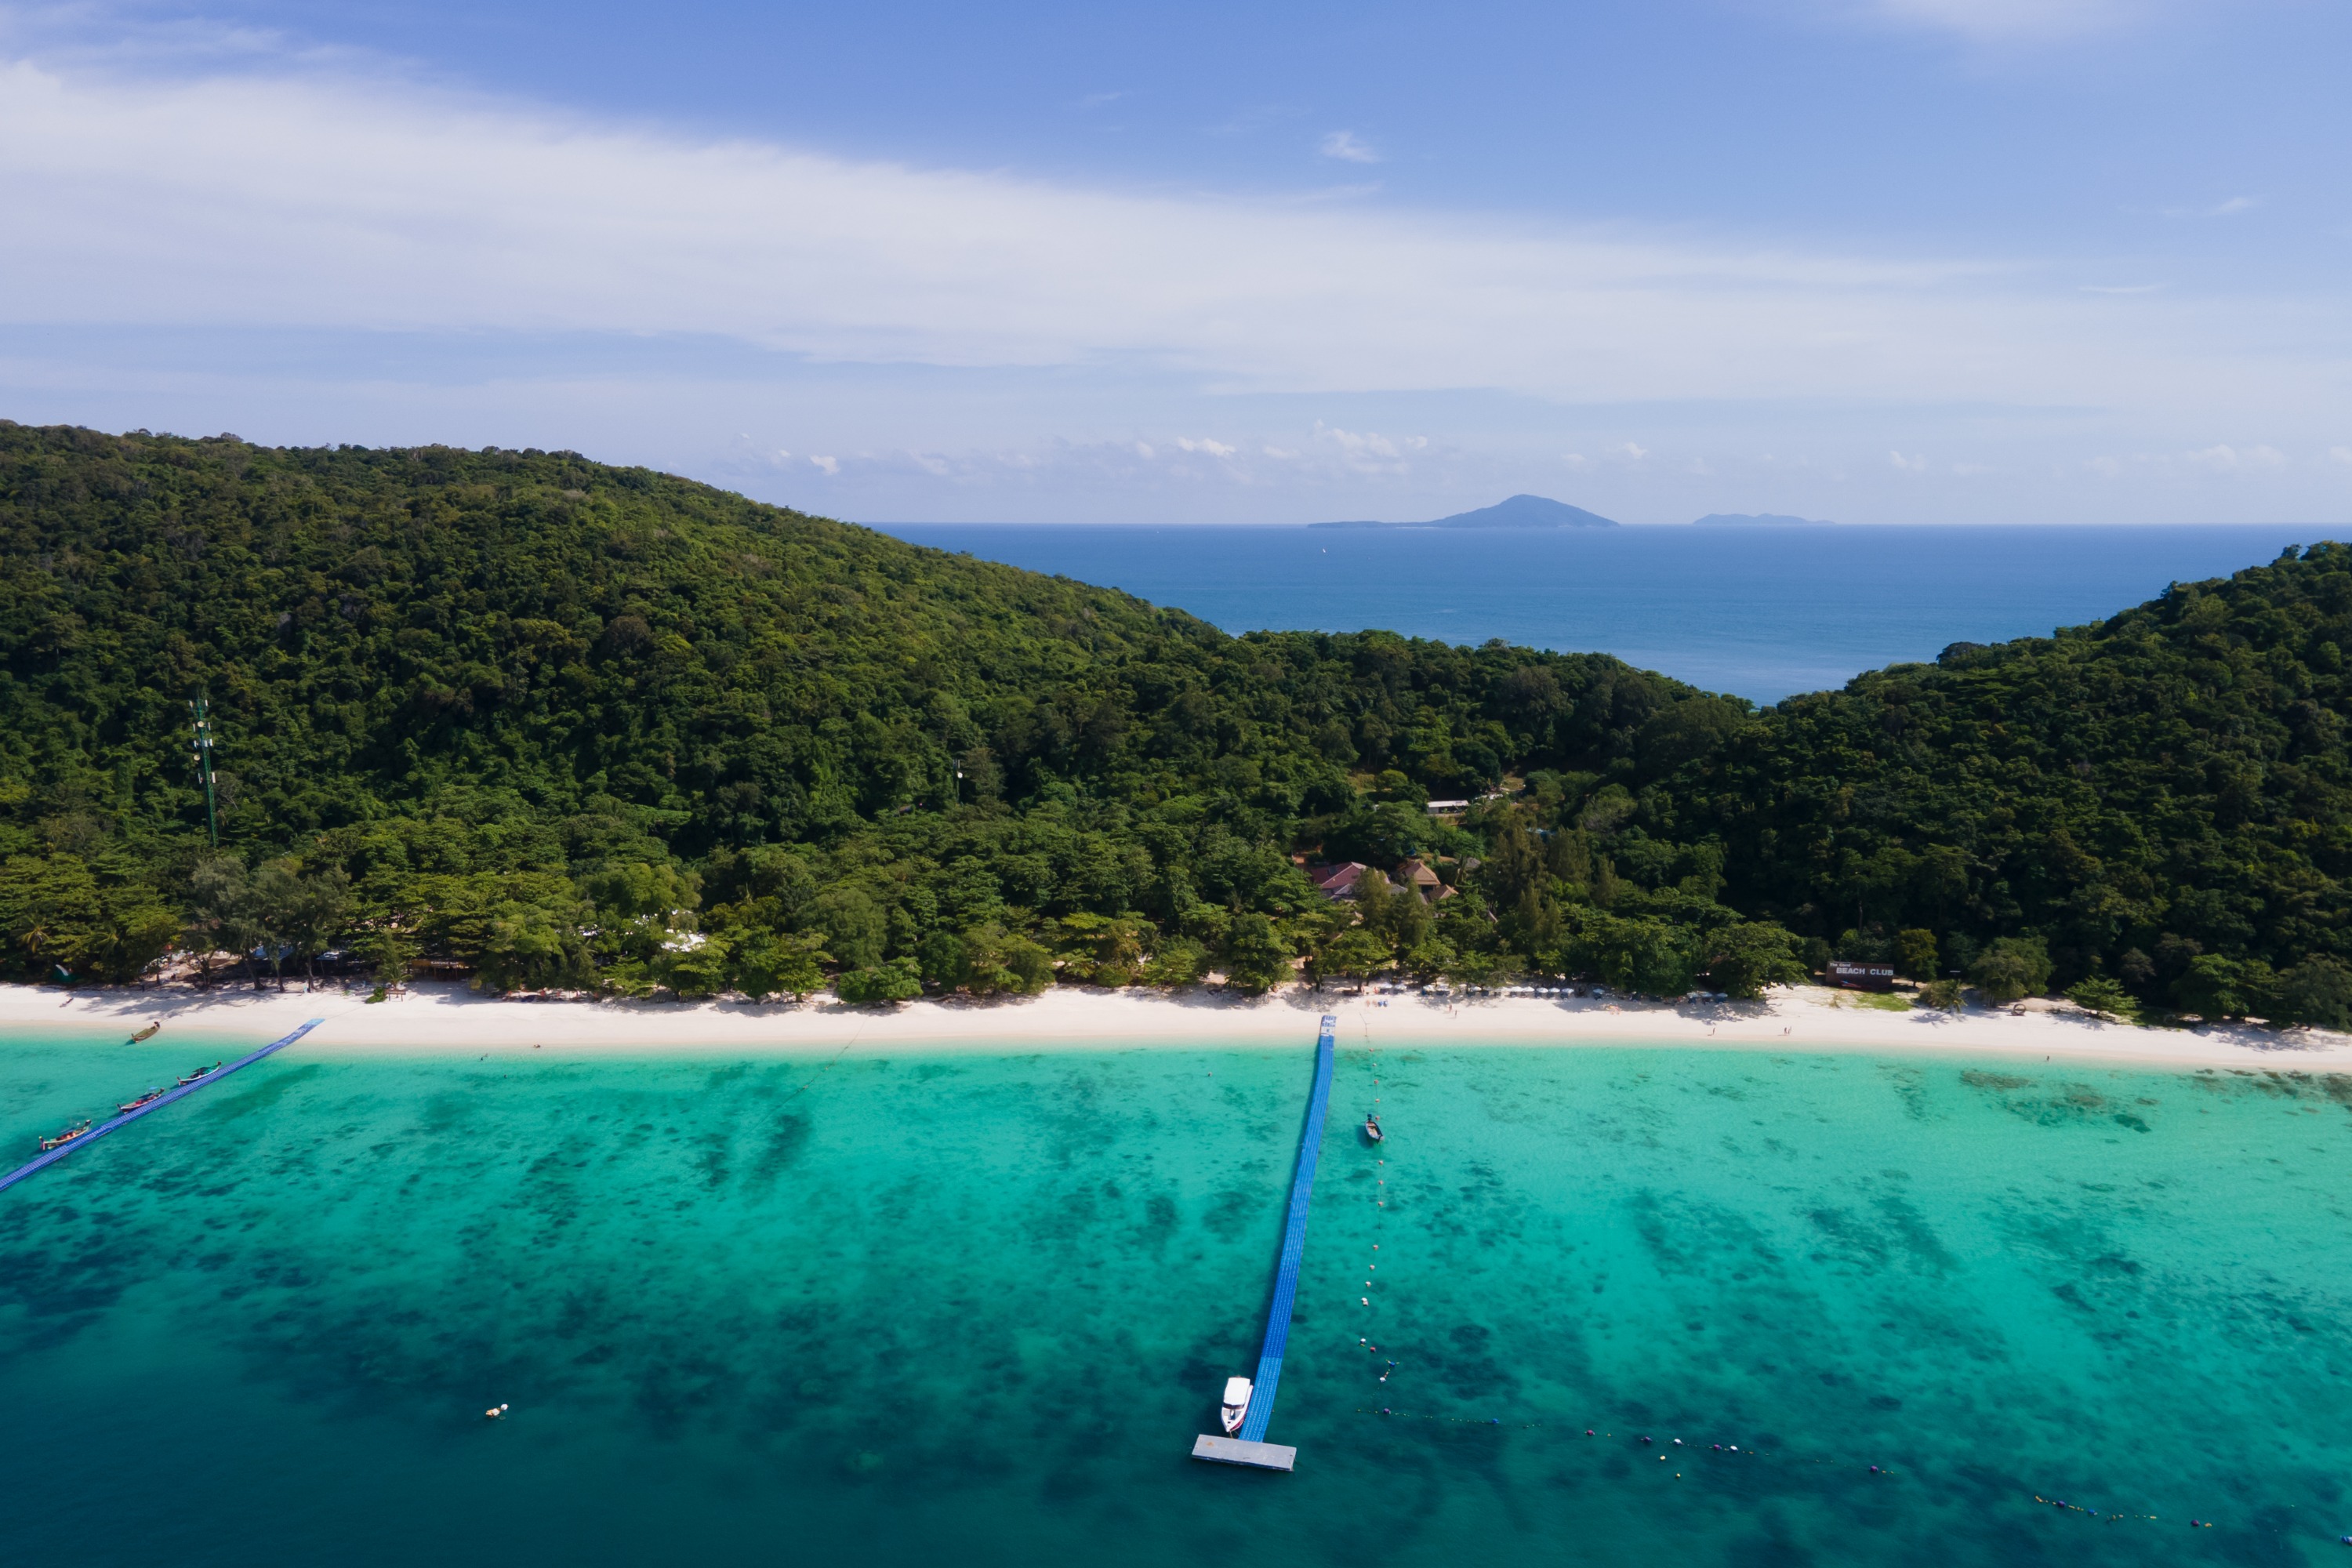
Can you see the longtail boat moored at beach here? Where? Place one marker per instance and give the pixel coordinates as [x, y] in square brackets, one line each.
[146, 1033]
[199, 1073]
[149, 1096]
[66, 1137]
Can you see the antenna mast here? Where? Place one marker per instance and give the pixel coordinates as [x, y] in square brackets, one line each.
[203, 747]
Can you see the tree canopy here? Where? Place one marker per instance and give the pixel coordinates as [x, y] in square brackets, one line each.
[570, 724]
[2135, 798]
[516, 694]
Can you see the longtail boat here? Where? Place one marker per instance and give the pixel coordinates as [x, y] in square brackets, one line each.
[66, 1137]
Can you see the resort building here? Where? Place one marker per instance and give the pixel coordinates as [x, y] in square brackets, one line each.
[1336, 881]
[1423, 880]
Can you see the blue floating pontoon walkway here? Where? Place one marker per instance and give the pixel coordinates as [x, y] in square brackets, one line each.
[157, 1103]
[1251, 1446]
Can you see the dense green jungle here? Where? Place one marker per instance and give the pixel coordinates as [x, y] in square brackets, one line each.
[559, 724]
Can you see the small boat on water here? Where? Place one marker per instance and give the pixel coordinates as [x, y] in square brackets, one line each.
[1236, 1405]
[200, 1072]
[149, 1098]
[146, 1033]
[78, 1130]
[1372, 1132]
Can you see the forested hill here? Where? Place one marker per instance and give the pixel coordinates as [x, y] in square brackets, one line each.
[504, 678]
[2162, 797]
[562, 723]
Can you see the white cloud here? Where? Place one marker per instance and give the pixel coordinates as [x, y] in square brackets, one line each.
[339, 203]
[1573, 460]
[1917, 464]
[277, 202]
[2341, 454]
[830, 464]
[2231, 459]
[1213, 449]
[1635, 452]
[1365, 464]
[1369, 451]
[1370, 444]
[1343, 145]
[2229, 207]
[2012, 21]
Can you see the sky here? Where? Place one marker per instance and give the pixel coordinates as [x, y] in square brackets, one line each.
[1869, 260]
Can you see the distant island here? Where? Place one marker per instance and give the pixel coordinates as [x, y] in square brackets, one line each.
[1519, 511]
[1759, 519]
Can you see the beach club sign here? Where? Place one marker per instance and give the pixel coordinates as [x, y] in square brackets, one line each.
[1855, 975]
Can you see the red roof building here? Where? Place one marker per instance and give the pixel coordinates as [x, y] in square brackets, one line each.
[1337, 881]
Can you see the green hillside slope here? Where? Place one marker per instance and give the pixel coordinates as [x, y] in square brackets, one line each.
[2163, 797]
[524, 681]
[562, 723]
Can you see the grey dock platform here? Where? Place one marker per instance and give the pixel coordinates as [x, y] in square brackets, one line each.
[1250, 1447]
[1235, 1451]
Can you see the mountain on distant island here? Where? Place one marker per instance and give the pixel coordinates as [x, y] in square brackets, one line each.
[1519, 511]
[1759, 518]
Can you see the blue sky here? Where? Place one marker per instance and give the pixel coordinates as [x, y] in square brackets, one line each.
[1875, 260]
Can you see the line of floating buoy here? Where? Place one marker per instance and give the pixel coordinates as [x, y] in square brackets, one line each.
[2111, 1517]
[1450, 1420]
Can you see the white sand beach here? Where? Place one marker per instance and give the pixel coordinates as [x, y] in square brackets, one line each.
[437, 1018]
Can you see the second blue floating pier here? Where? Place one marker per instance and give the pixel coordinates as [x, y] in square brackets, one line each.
[52, 1156]
[1251, 1446]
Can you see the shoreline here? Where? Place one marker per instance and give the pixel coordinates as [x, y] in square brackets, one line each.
[435, 1019]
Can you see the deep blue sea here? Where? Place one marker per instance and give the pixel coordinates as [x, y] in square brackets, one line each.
[1760, 612]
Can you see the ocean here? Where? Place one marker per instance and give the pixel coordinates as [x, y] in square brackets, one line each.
[893, 1307]
[1761, 612]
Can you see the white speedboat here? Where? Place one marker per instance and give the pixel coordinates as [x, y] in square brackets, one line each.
[1237, 1398]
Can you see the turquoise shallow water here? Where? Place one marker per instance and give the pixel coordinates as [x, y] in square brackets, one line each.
[917, 1309]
